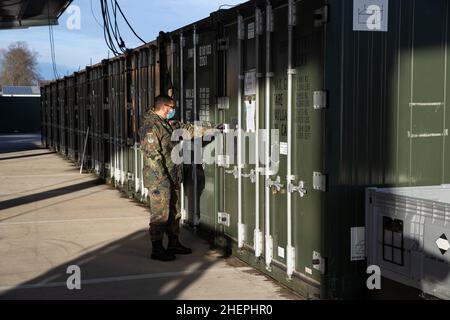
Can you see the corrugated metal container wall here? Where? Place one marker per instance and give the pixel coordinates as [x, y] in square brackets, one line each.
[386, 124]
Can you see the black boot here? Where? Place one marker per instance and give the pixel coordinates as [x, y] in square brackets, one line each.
[175, 247]
[159, 253]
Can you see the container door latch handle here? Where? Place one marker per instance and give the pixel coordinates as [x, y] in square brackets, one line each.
[300, 188]
[234, 172]
[276, 185]
[251, 175]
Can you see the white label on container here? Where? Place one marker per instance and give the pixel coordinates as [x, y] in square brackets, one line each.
[250, 109]
[284, 148]
[308, 270]
[251, 30]
[370, 15]
[250, 83]
[281, 252]
[358, 244]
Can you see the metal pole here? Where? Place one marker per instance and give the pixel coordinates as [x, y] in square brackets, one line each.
[181, 97]
[268, 237]
[258, 235]
[239, 166]
[290, 256]
[84, 150]
[194, 166]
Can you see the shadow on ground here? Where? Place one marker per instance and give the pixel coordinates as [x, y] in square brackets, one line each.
[121, 270]
[7, 204]
[17, 143]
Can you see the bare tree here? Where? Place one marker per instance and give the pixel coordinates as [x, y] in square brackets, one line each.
[18, 66]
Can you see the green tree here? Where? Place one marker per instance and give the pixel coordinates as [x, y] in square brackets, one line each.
[18, 66]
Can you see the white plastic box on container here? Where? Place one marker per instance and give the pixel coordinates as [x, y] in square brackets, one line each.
[408, 234]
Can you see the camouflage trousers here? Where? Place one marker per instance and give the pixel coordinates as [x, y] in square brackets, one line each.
[165, 212]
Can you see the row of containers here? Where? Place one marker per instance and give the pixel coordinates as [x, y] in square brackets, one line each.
[344, 110]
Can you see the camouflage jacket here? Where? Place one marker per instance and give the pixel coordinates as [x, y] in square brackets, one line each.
[157, 145]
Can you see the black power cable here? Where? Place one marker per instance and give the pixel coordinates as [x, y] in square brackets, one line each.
[111, 30]
[128, 23]
[52, 45]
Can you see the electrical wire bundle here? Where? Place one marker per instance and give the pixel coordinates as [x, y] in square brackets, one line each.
[111, 31]
[52, 45]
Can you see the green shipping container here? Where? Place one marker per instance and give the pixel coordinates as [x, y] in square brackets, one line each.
[353, 109]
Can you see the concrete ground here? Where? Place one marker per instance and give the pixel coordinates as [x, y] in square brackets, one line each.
[51, 217]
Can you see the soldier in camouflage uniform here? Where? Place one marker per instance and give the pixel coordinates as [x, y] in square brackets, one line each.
[162, 177]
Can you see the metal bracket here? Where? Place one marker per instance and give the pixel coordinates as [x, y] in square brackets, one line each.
[196, 38]
[290, 263]
[234, 172]
[223, 44]
[300, 188]
[427, 135]
[241, 28]
[259, 22]
[223, 218]
[223, 161]
[269, 18]
[269, 252]
[320, 100]
[319, 181]
[258, 241]
[275, 185]
[321, 16]
[223, 103]
[241, 232]
[292, 18]
[318, 262]
[251, 175]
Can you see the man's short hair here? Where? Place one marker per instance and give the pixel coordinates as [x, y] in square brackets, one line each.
[162, 100]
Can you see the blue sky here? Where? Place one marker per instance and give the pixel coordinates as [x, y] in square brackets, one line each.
[75, 48]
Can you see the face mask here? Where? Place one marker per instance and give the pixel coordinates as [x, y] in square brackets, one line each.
[171, 115]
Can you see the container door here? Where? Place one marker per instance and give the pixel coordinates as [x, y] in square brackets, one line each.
[309, 101]
[230, 203]
[189, 114]
[207, 113]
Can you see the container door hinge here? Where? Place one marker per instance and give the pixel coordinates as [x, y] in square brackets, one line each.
[241, 28]
[320, 100]
[223, 219]
[222, 44]
[318, 262]
[319, 181]
[258, 240]
[321, 16]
